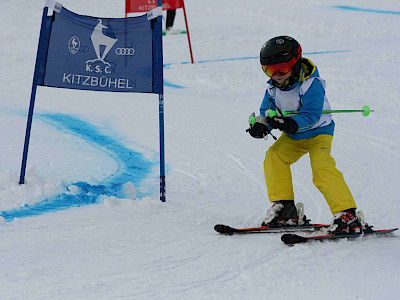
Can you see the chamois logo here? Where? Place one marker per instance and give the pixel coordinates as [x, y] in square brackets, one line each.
[100, 39]
[102, 45]
[74, 44]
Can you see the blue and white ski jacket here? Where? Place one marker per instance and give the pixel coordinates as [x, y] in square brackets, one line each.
[306, 96]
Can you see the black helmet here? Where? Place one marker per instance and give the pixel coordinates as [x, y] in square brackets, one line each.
[280, 49]
[279, 55]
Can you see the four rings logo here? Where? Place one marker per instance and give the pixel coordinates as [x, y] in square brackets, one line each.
[125, 51]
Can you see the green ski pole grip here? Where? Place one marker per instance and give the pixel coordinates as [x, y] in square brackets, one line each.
[272, 113]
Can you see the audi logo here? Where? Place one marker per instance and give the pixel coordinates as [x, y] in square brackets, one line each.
[125, 51]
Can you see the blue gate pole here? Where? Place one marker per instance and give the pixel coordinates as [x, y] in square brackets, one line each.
[37, 78]
[161, 106]
[162, 153]
[28, 132]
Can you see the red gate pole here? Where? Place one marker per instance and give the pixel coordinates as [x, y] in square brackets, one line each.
[187, 31]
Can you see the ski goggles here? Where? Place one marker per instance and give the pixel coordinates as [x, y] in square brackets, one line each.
[279, 69]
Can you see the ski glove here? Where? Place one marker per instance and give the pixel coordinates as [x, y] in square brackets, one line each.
[283, 124]
[259, 129]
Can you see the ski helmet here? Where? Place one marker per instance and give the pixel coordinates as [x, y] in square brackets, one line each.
[281, 54]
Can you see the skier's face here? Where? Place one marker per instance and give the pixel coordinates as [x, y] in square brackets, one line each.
[281, 78]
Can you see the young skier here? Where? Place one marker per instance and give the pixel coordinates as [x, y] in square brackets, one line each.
[295, 85]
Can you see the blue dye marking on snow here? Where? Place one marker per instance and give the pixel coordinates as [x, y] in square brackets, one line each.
[169, 84]
[167, 66]
[132, 167]
[378, 11]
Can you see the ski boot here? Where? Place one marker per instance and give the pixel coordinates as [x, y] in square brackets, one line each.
[285, 213]
[347, 221]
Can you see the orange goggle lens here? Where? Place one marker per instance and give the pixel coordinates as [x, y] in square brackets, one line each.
[276, 69]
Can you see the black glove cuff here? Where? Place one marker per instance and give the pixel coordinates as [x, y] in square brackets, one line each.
[290, 126]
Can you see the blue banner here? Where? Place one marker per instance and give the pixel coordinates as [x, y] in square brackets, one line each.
[101, 54]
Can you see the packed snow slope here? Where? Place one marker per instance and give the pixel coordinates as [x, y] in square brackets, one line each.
[127, 244]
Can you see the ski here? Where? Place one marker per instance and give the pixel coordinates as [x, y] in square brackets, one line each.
[292, 239]
[174, 32]
[227, 230]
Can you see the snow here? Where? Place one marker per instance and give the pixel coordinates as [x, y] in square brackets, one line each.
[127, 244]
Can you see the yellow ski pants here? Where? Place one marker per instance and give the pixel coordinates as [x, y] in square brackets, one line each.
[326, 177]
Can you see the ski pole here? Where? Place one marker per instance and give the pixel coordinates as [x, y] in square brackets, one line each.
[365, 111]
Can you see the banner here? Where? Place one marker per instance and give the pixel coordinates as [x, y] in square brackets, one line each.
[137, 6]
[89, 53]
[99, 54]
